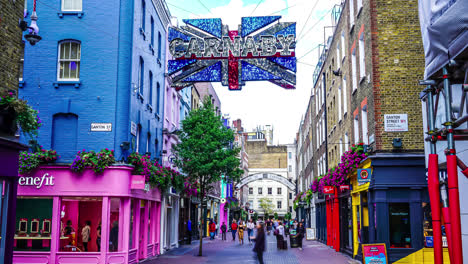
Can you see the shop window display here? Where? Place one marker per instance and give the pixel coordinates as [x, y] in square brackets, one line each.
[33, 224]
[114, 224]
[80, 223]
[400, 228]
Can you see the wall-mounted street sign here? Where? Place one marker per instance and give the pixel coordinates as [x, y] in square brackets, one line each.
[396, 123]
[205, 50]
[101, 127]
[364, 176]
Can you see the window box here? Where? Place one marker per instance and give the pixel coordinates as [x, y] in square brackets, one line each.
[142, 32]
[79, 14]
[57, 84]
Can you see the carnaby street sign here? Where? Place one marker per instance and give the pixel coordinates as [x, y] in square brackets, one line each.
[205, 50]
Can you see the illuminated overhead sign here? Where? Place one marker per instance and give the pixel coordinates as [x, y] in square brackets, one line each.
[205, 50]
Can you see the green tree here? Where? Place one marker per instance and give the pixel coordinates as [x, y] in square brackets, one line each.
[205, 153]
[267, 206]
[276, 216]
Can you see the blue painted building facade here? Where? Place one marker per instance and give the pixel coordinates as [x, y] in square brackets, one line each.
[98, 63]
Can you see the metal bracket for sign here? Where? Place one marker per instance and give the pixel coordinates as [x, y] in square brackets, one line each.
[205, 50]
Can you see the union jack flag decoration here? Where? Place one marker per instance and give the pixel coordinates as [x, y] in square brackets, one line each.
[205, 50]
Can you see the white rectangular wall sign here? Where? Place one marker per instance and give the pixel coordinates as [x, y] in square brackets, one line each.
[101, 127]
[396, 123]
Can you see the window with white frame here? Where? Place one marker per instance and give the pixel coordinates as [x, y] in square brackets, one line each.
[152, 31]
[353, 70]
[323, 93]
[141, 76]
[148, 140]
[362, 57]
[343, 47]
[338, 60]
[317, 134]
[143, 15]
[356, 129]
[345, 97]
[159, 45]
[150, 89]
[346, 140]
[365, 136]
[138, 136]
[359, 6]
[323, 126]
[316, 103]
[351, 13]
[69, 61]
[339, 103]
[341, 147]
[72, 5]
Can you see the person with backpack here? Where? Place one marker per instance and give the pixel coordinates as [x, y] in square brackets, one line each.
[234, 229]
[223, 231]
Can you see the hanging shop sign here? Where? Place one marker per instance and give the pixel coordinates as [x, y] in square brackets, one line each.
[328, 190]
[137, 182]
[396, 123]
[205, 50]
[374, 254]
[344, 188]
[101, 127]
[364, 176]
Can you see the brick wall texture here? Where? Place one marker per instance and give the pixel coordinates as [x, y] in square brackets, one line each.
[10, 43]
[263, 156]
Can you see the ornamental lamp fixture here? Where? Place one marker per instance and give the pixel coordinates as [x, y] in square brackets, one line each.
[33, 36]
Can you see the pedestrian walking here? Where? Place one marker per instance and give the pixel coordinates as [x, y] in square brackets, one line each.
[98, 237]
[268, 224]
[300, 232]
[189, 232]
[260, 242]
[234, 229]
[212, 227]
[217, 227]
[240, 232]
[85, 234]
[250, 228]
[223, 231]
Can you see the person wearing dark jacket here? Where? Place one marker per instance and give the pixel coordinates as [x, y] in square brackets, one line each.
[300, 232]
[260, 242]
[223, 231]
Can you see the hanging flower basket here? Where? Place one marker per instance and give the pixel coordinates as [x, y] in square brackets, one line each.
[16, 112]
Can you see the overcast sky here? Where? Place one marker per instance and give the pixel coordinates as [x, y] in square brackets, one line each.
[263, 103]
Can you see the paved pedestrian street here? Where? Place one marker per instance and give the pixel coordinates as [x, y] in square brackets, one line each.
[217, 251]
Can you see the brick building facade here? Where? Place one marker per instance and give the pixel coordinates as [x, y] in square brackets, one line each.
[369, 68]
[11, 44]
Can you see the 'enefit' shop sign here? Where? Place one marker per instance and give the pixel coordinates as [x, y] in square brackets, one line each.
[45, 180]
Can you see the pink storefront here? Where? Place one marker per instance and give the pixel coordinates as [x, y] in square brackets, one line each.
[55, 205]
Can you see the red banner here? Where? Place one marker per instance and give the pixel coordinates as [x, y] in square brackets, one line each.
[328, 190]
